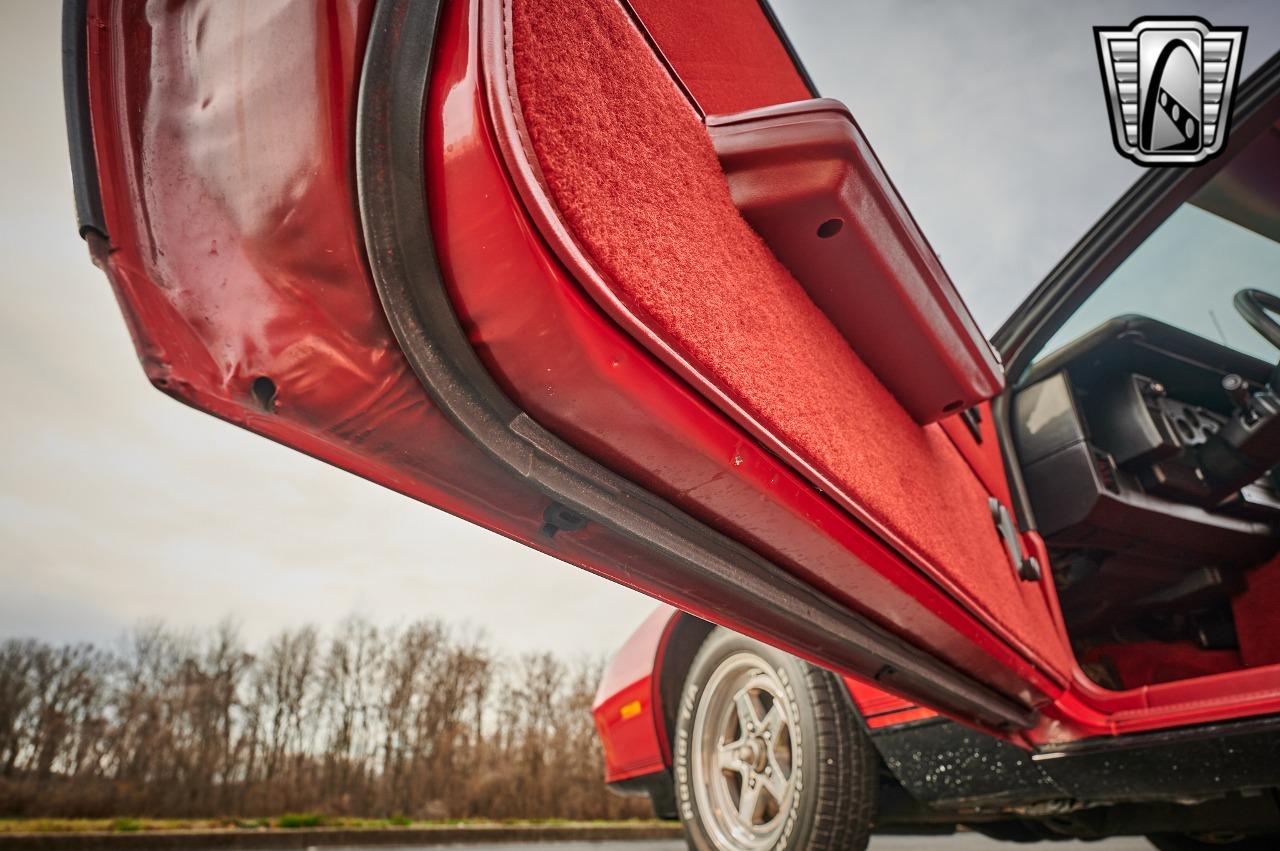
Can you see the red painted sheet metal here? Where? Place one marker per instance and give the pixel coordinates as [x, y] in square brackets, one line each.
[872, 700]
[224, 154]
[235, 256]
[726, 54]
[625, 723]
[627, 706]
[904, 716]
[225, 162]
[881, 709]
[220, 181]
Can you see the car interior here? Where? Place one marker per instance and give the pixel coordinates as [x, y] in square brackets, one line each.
[1145, 434]
[1147, 443]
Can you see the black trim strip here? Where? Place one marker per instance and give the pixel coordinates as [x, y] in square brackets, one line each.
[75, 97]
[713, 571]
[640, 25]
[642, 784]
[1159, 738]
[1001, 406]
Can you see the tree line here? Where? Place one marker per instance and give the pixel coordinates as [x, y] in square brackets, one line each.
[417, 721]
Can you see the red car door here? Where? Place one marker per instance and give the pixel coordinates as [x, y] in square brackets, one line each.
[568, 269]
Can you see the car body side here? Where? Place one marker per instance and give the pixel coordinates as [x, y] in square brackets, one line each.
[634, 706]
[937, 772]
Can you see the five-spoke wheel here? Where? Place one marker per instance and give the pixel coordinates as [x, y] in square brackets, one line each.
[746, 757]
[769, 754]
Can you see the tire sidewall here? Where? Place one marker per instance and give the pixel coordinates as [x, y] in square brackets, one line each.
[719, 646]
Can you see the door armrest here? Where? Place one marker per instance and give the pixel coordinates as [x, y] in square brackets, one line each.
[805, 178]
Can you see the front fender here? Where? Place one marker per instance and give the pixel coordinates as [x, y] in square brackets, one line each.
[628, 704]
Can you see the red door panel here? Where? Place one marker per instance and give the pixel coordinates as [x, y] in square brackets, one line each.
[229, 231]
[665, 253]
[727, 56]
[236, 235]
[596, 388]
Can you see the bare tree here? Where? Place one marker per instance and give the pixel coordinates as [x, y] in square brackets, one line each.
[368, 721]
[18, 685]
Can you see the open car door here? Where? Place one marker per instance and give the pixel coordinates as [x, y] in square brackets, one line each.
[604, 277]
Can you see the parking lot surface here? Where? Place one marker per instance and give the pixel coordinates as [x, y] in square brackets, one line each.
[955, 842]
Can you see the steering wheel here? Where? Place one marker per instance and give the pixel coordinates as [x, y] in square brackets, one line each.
[1256, 306]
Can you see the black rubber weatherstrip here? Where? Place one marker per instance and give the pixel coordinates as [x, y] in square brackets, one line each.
[712, 570]
[75, 99]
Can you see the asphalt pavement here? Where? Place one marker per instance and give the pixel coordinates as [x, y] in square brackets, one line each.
[955, 842]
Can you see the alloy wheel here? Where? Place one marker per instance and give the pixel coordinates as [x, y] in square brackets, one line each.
[746, 754]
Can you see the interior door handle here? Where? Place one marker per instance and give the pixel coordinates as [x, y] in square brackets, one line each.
[1027, 568]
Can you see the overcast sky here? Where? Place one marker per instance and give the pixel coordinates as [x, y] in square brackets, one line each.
[118, 504]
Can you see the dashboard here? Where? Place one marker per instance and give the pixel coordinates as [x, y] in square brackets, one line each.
[1110, 433]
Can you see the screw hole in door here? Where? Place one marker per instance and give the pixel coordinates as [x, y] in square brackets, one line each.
[264, 392]
[830, 228]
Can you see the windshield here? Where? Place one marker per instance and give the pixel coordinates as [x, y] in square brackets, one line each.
[1185, 274]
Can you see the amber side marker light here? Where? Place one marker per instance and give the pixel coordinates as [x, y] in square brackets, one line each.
[629, 710]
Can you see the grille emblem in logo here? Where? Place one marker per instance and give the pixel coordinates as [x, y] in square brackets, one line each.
[1169, 82]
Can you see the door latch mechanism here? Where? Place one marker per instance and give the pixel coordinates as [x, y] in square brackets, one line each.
[1027, 568]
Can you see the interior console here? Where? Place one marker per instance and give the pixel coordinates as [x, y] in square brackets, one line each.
[1117, 435]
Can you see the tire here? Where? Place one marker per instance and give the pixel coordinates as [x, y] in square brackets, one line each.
[1177, 842]
[758, 721]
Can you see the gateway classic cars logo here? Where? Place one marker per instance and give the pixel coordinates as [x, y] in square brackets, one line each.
[1170, 82]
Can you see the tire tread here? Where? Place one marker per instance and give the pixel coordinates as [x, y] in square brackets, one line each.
[848, 777]
[841, 805]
